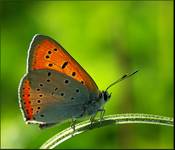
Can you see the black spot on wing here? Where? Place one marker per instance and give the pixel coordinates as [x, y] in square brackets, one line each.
[64, 65]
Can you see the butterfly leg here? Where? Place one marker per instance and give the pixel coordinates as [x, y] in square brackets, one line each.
[73, 124]
[92, 118]
[102, 112]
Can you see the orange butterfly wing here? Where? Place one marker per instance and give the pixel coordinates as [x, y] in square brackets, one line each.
[46, 53]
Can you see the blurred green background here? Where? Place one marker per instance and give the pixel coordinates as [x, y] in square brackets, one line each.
[108, 39]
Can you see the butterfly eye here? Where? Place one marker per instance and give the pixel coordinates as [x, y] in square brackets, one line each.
[42, 115]
[38, 101]
[105, 95]
[55, 49]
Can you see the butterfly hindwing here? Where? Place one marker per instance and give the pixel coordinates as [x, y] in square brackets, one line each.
[47, 96]
[46, 53]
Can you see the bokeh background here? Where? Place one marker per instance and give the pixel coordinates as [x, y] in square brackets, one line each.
[108, 39]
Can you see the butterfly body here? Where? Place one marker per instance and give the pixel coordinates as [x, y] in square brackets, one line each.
[56, 88]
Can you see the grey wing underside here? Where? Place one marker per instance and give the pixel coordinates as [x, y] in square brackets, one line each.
[55, 97]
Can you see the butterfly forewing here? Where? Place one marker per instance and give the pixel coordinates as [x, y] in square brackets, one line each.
[47, 96]
[46, 53]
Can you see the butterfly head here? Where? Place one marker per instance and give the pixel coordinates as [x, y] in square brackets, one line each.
[104, 96]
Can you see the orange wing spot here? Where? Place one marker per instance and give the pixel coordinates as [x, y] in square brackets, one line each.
[26, 100]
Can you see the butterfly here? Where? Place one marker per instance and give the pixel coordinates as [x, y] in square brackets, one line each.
[55, 87]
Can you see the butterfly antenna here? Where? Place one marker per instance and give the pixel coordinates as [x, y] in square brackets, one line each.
[122, 78]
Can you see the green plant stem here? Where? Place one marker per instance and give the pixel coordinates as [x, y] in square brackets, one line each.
[107, 120]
